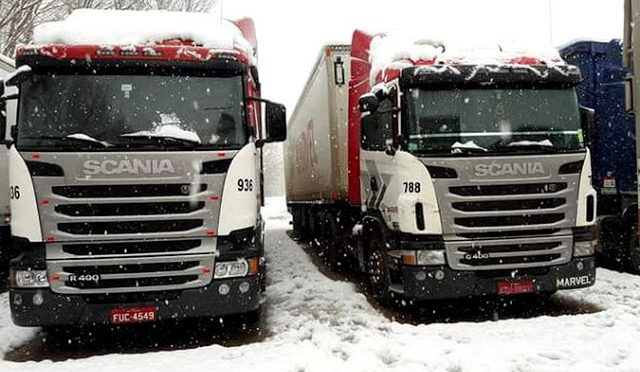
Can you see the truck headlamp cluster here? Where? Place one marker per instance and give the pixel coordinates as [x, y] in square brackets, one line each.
[31, 279]
[584, 248]
[236, 269]
[420, 258]
[430, 258]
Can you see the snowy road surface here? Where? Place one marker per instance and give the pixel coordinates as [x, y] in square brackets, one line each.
[313, 323]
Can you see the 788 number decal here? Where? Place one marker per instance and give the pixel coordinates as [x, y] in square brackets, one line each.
[412, 187]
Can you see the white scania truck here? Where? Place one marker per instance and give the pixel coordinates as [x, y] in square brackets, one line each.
[459, 178]
[136, 171]
[7, 118]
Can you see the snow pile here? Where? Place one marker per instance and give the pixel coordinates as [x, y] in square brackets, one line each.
[118, 27]
[401, 49]
[11, 335]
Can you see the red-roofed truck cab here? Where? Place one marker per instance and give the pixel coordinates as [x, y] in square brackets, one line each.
[444, 174]
[136, 181]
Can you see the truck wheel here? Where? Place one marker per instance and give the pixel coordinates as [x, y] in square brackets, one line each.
[378, 270]
[633, 250]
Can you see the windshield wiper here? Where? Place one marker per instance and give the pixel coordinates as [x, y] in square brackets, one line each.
[532, 147]
[85, 141]
[147, 140]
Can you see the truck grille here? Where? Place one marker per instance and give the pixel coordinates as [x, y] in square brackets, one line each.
[498, 222]
[126, 191]
[130, 248]
[507, 253]
[139, 233]
[119, 275]
[135, 283]
[130, 227]
[511, 213]
[133, 209]
[496, 190]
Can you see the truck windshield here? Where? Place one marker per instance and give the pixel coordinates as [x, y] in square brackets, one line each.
[493, 120]
[114, 112]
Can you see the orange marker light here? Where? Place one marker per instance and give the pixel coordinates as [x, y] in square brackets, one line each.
[253, 266]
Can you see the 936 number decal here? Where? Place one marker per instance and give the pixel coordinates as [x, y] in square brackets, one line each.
[14, 192]
[412, 187]
[245, 185]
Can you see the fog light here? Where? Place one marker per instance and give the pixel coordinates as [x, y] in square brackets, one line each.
[38, 299]
[580, 266]
[583, 249]
[421, 275]
[244, 287]
[17, 299]
[224, 289]
[439, 275]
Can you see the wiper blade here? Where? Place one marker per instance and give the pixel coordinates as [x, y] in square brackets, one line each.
[164, 140]
[527, 148]
[85, 141]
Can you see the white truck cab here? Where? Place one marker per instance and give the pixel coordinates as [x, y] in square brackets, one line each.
[7, 66]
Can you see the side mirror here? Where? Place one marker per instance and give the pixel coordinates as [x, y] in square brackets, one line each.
[588, 122]
[22, 74]
[276, 121]
[368, 103]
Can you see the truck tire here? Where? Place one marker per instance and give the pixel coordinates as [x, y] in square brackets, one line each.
[633, 250]
[377, 268]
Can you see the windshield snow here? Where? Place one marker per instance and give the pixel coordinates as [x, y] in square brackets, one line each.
[132, 111]
[493, 119]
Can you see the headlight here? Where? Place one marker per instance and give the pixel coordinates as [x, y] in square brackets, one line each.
[31, 279]
[420, 258]
[431, 258]
[233, 269]
[584, 248]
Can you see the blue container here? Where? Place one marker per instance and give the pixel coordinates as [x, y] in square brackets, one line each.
[614, 151]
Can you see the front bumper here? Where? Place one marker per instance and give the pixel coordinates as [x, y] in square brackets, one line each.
[463, 284]
[59, 310]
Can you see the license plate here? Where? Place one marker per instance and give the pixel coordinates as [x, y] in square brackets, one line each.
[515, 287]
[135, 315]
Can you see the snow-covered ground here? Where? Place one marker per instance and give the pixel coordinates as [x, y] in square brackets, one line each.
[317, 324]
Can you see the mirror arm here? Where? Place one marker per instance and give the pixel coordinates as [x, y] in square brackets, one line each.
[9, 97]
[256, 99]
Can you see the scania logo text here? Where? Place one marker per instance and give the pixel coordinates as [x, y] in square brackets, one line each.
[509, 169]
[132, 167]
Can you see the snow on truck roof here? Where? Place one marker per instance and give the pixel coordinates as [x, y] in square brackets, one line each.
[398, 50]
[123, 28]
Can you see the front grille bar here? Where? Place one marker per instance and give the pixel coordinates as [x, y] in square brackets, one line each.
[123, 275]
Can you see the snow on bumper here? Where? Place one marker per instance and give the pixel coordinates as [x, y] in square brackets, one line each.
[579, 273]
[56, 309]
